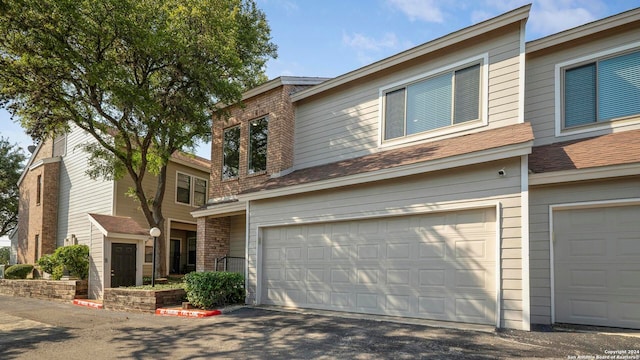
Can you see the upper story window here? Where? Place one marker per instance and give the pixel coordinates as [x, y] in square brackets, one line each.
[191, 190]
[439, 100]
[60, 145]
[39, 190]
[258, 134]
[598, 90]
[231, 153]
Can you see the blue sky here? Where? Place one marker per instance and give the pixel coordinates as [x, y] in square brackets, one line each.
[331, 37]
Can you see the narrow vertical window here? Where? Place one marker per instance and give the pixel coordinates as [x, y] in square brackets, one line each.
[231, 153]
[37, 247]
[199, 192]
[183, 189]
[258, 134]
[39, 190]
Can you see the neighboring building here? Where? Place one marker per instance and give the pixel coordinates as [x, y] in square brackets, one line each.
[427, 184]
[57, 196]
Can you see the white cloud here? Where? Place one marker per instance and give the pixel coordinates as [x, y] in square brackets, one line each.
[425, 10]
[553, 16]
[362, 42]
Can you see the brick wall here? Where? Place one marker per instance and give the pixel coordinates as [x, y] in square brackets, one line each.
[38, 217]
[63, 290]
[276, 106]
[214, 235]
[144, 301]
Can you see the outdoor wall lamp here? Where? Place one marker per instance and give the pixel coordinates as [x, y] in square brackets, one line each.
[155, 232]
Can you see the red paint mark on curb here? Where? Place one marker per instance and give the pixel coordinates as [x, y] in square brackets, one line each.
[188, 313]
[87, 303]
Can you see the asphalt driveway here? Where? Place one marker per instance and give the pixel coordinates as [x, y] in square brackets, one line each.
[32, 328]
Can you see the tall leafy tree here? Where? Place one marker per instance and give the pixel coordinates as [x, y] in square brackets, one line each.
[140, 76]
[11, 162]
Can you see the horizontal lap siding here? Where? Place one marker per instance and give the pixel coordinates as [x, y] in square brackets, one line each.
[540, 199]
[344, 124]
[405, 196]
[540, 84]
[79, 194]
[127, 206]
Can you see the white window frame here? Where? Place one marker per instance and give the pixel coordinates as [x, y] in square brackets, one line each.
[559, 72]
[192, 182]
[482, 60]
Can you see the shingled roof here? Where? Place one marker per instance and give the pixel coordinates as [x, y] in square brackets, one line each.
[612, 149]
[424, 152]
[118, 225]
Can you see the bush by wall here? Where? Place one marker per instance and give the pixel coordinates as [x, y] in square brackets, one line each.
[18, 271]
[208, 289]
[74, 258]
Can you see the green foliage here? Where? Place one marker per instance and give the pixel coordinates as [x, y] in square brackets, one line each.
[208, 289]
[141, 77]
[5, 255]
[51, 265]
[11, 160]
[74, 258]
[19, 271]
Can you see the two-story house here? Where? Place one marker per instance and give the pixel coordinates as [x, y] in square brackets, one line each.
[475, 178]
[61, 205]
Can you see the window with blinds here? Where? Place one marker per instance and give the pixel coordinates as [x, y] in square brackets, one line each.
[439, 101]
[602, 90]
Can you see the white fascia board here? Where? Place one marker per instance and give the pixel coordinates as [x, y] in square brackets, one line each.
[222, 209]
[467, 33]
[602, 172]
[128, 236]
[191, 165]
[41, 162]
[97, 225]
[504, 152]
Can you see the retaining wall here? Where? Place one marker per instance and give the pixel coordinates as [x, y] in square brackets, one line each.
[45, 289]
[144, 301]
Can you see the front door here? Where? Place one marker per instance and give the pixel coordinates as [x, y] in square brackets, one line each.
[174, 256]
[123, 265]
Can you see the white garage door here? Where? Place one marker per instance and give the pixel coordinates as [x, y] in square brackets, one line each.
[439, 266]
[597, 266]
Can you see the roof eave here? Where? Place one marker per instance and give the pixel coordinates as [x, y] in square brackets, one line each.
[499, 153]
[519, 14]
[583, 30]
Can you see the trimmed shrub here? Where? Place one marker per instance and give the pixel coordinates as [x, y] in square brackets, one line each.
[74, 258]
[208, 289]
[18, 271]
[51, 265]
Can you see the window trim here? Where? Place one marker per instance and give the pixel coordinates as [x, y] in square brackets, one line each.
[481, 59]
[559, 72]
[223, 178]
[192, 180]
[249, 170]
[145, 252]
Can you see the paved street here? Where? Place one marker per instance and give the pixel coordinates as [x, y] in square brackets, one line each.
[38, 329]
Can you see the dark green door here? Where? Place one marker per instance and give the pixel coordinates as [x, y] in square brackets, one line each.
[123, 265]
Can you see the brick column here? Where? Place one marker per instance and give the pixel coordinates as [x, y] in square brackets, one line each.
[214, 236]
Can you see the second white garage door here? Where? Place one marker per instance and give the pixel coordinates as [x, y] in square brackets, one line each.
[439, 266]
[597, 266]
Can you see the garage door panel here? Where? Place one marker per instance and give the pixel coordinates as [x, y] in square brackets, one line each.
[418, 266]
[597, 266]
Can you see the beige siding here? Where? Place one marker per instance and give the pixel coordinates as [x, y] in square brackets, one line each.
[344, 124]
[409, 195]
[540, 84]
[127, 206]
[79, 194]
[238, 238]
[540, 200]
[96, 262]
